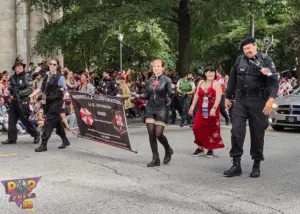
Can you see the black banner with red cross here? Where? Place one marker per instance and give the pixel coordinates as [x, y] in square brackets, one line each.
[101, 119]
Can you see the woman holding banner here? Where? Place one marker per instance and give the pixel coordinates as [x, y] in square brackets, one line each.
[157, 89]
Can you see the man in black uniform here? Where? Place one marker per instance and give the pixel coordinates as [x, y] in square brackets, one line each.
[20, 87]
[53, 86]
[253, 83]
[109, 85]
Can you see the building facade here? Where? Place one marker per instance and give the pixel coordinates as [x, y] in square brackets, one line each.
[19, 26]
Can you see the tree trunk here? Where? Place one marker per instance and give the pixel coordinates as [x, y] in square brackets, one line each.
[184, 21]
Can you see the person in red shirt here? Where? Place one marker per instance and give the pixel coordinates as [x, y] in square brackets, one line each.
[221, 80]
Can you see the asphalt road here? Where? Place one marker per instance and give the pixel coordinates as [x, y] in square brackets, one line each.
[89, 177]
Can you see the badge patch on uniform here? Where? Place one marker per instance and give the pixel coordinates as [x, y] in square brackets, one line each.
[20, 81]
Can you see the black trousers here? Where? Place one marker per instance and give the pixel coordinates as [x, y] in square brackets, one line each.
[251, 109]
[53, 120]
[16, 113]
[175, 105]
[223, 108]
[185, 104]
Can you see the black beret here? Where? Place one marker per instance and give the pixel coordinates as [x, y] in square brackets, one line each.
[248, 40]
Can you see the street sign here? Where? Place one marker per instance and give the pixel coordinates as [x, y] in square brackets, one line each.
[267, 40]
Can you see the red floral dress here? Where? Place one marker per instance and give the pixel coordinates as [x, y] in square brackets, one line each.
[207, 130]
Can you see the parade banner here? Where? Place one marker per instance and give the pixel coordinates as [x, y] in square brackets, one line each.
[101, 118]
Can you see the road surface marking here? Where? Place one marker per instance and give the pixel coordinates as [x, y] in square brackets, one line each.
[6, 155]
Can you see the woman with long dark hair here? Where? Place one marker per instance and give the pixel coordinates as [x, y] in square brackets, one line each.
[207, 119]
[85, 86]
[158, 88]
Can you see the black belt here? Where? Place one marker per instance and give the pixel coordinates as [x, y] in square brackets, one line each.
[250, 93]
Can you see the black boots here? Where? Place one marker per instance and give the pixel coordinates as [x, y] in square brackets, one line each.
[235, 170]
[37, 139]
[255, 169]
[65, 143]
[42, 147]
[155, 161]
[181, 124]
[9, 142]
[168, 155]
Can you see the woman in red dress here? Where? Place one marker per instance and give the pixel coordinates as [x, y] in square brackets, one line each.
[207, 120]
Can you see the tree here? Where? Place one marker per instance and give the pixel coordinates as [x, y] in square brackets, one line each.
[203, 15]
[89, 32]
[271, 18]
[202, 32]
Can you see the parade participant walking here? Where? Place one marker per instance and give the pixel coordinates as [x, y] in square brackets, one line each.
[20, 87]
[185, 88]
[254, 86]
[157, 90]
[207, 120]
[223, 112]
[53, 87]
[109, 85]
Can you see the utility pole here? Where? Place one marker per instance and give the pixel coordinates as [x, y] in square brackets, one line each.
[252, 26]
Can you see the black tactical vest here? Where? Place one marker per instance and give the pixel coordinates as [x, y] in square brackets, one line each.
[18, 84]
[18, 81]
[249, 78]
[51, 88]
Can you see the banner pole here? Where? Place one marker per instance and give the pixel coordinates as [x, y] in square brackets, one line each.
[124, 113]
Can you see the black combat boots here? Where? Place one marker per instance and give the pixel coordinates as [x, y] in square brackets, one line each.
[65, 143]
[42, 147]
[9, 142]
[155, 161]
[255, 169]
[36, 139]
[235, 170]
[168, 155]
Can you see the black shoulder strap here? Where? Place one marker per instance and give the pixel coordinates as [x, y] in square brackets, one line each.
[57, 76]
[241, 58]
[14, 79]
[264, 56]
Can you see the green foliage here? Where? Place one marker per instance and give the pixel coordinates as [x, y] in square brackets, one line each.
[88, 32]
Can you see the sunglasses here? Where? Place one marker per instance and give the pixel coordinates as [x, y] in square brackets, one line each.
[53, 64]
